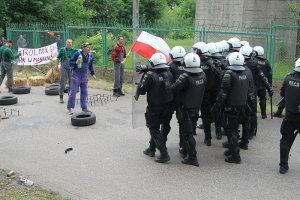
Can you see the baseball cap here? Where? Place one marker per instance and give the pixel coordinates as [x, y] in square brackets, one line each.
[86, 44]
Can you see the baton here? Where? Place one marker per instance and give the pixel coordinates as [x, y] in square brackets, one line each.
[271, 102]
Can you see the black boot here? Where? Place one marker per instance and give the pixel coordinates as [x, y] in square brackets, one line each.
[227, 152]
[116, 93]
[191, 160]
[149, 152]
[207, 141]
[61, 100]
[120, 92]
[263, 109]
[243, 145]
[284, 156]
[233, 159]
[163, 157]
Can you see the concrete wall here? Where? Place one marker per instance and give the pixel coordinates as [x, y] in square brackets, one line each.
[240, 11]
[248, 16]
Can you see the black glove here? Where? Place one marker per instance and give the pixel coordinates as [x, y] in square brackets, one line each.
[271, 92]
[142, 69]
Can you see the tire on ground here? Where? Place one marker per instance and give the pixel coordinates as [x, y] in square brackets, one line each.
[52, 90]
[8, 100]
[21, 90]
[83, 119]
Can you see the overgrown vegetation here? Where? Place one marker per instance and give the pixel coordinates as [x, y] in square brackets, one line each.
[11, 189]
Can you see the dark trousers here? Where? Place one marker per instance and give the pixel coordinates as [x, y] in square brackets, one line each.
[187, 119]
[262, 95]
[158, 119]
[287, 130]
[7, 69]
[206, 115]
[233, 116]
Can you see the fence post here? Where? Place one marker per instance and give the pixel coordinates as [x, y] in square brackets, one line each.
[272, 45]
[104, 47]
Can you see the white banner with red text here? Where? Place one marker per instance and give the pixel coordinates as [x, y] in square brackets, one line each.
[38, 56]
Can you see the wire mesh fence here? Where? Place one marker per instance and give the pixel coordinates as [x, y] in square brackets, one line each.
[280, 41]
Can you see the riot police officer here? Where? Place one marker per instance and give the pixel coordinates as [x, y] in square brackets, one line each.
[190, 88]
[267, 70]
[290, 126]
[221, 64]
[160, 105]
[213, 76]
[233, 96]
[257, 75]
[176, 67]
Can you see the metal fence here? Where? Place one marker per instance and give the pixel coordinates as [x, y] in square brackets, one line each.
[279, 41]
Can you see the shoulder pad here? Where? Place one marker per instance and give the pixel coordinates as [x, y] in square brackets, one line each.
[292, 73]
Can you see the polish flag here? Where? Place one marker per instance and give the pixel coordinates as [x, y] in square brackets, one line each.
[146, 45]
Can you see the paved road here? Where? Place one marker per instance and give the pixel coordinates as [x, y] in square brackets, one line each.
[107, 160]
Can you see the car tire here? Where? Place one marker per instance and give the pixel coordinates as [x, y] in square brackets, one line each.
[83, 119]
[21, 90]
[8, 100]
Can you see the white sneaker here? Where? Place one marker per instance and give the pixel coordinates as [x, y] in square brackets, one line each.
[25, 181]
[70, 111]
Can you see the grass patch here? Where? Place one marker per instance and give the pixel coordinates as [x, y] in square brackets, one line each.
[281, 68]
[11, 189]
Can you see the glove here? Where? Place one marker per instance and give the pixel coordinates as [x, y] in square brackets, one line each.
[271, 92]
[141, 69]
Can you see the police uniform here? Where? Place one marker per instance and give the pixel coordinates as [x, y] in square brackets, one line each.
[211, 90]
[290, 126]
[258, 77]
[265, 66]
[233, 96]
[159, 109]
[190, 87]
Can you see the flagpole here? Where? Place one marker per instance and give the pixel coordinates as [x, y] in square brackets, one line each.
[127, 56]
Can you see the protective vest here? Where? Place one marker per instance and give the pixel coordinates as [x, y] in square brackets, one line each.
[238, 92]
[292, 93]
[160, 92]
[192, 96]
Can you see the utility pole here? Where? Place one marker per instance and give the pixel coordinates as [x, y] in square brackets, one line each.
[135, 24]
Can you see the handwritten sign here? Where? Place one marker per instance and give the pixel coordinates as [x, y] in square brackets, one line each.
[38, 56]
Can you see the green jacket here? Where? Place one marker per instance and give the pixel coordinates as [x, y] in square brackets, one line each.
[1, 51]
[7, 55]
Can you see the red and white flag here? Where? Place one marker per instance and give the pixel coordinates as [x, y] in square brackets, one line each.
[146, 45]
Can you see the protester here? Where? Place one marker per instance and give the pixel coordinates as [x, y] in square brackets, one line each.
[63, 57]
[118, 56]
[7, 56]
[81, 62]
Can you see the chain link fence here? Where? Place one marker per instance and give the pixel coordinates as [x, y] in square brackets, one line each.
[279, 41]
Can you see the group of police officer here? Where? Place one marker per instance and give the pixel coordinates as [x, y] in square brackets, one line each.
[222, 78]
